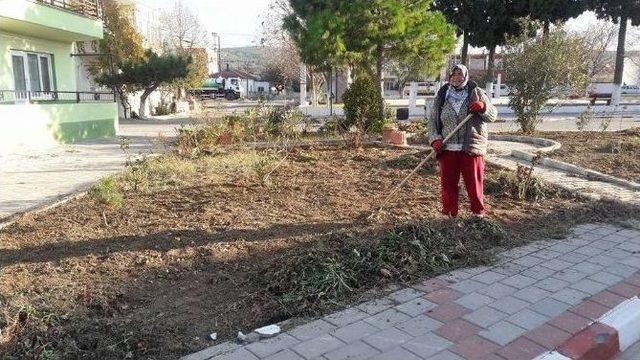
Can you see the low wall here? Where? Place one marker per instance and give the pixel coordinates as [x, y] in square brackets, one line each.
[42, 125]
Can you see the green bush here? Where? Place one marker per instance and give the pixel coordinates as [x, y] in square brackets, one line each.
[107, 192]
[281, 121]
[363, 106]
[164, 109]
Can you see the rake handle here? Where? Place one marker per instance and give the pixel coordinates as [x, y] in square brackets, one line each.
[421, 164]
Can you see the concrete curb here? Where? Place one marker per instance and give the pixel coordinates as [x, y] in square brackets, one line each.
[604, 339]
[547, 145]
[76, 194]
[570, 168]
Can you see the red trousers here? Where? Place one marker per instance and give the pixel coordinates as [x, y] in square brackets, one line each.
[452, 164]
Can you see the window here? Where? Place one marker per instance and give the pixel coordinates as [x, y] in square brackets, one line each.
[32, 72]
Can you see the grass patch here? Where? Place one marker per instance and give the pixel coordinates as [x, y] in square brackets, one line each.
[151, 173]
[107, 192]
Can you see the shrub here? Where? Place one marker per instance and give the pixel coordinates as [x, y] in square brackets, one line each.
[107, 192]
[148, 173]
[541, 69]
[521, 184]
[363, 107]
[261, 167]
[199, 139]
[164, 109]
[281, 121]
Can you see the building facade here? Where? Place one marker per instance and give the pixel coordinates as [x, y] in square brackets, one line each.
[40, 99]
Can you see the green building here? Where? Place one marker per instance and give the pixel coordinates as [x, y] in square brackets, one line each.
[40, 58]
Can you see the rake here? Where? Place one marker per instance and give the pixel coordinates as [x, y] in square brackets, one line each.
[421, 164]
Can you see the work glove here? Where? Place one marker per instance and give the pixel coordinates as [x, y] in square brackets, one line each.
[437, 146]
[477, 107]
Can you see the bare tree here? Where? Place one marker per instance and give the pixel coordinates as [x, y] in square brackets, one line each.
[283, 54]
[633, 39]
[597, 40]
[182, 29]
[183, 33]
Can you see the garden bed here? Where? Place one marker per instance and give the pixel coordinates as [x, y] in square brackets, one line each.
[612, 153]
[153, 261]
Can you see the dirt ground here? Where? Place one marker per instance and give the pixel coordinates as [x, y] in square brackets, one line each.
[180, 260]
[613, 153]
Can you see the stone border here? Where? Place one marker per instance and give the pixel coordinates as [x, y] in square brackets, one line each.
[551, 145]
[574, 169]
[547, 145]
[605, 338]
[62, 199]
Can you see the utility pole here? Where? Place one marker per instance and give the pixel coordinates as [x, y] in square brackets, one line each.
[217, 49]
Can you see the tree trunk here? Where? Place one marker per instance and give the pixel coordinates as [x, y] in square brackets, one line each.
[143, 100]
[491, 65]
[465, 47]
[379, 62]
[545, 28]
[401, 89]
[124, 102]
[622, 33]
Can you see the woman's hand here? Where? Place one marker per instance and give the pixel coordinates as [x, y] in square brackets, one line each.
[437, 146]
[477, 107]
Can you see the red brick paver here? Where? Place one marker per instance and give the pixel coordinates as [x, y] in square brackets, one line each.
[582, 346]
[443, 295]
[634, 279]
[432, 285]
[625, 289]
[447, 312]
[590, 309]
[548, 336]
[475, 348]
[607, 298]
[458, 330]
[520, 349]
[570, 322]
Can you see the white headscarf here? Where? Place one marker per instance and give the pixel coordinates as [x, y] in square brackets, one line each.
[465, 73]
[457, 96]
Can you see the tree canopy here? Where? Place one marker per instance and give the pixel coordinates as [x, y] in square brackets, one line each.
[366, 33]
[149, 73]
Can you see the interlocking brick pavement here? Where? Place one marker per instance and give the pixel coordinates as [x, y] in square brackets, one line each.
[478, 313]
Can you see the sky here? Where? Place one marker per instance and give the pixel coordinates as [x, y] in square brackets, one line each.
[238, 21]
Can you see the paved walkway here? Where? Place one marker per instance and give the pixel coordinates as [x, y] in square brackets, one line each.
[594, 189]
[30, 178]
[531, 301]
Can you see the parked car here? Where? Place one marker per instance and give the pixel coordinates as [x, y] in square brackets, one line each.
[424, 88]
[630, 89]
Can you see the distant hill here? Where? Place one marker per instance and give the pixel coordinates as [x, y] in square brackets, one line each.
[252, 59]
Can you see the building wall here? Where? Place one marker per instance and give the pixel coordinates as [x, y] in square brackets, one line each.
[631, 74]
[42, 21]
[46, 124]
[64, 77]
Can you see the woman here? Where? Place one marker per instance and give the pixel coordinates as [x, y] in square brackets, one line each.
[463, 153]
